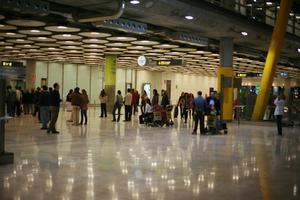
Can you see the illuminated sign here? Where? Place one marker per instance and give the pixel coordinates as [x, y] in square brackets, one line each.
[241, 75]
[11, 64]
[171, 62]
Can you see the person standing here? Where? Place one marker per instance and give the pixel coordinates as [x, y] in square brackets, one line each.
[69, 104]
[155, 98]
[144, 98]
[54, 108]
[117, 106]
[199, 111]
[26, 102]
[279, 110]
[36, 100]
[128, 109]
[44, 103]
[134, 101]
[18, 102]
[84, 106]
[11, 99]
[186, 103]
[103, 102]
[76, 104]
[165, 99]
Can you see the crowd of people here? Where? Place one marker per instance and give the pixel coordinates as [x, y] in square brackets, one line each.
[45, 104]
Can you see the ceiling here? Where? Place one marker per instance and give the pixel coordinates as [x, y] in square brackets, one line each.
[56, 38]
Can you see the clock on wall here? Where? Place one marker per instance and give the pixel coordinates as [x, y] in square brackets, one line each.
[142, 61]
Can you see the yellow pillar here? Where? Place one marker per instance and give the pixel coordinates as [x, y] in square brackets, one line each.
[110, 79]
[272, 58]
[225, 78]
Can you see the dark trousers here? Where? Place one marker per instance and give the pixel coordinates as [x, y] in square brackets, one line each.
[18, 108]
[54, 114]
[279, 124]
[199, 116]
[135, 109]
[11, 109]
[103, 110]
[114, 112]
[128, 111]
[186, 113]
[83, 115]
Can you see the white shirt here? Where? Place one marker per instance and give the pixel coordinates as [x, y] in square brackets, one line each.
[148, 108]
[128, 99]
[279, 106]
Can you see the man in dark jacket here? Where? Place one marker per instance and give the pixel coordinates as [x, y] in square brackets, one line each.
[165, 99]
[54, 108]
[44, 103]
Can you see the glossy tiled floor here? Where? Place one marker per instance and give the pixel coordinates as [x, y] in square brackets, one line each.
[114, 161]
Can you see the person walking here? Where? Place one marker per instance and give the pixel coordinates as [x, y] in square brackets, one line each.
[199, 111]
[117, 106]
[84, 106]
[103, 102]
[128, 109]
[54, 108]
[44, 103]
[186, 104]
[279, 110]
[76, 104]
[134, 101]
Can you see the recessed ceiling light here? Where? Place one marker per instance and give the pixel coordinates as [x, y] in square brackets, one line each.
[35, 31]
[135, 2]
[298, 50]
[189, 17]
[244, 33]
[62, 27]
[66, 35]
[1, 25]
[42, 38]
[94, 33]
[269, 3]
[10, 33]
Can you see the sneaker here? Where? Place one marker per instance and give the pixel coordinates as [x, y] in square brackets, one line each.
[55, 132]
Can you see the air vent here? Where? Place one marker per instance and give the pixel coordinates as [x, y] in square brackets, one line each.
[124, 25]
[26, 6]
[189, 39]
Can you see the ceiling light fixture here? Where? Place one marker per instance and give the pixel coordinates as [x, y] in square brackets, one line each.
[62, 27]
[269, 3]
[135, 2]
[10, 34]
[244, 33]
[35, 31]
[66, 35]
[42, 38]
[298, 50]
[189, 17]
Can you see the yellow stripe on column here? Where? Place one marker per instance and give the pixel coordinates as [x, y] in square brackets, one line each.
[110, 70]
[272, 58]
[227, 92]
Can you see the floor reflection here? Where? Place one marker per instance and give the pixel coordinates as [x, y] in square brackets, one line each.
[108, 160]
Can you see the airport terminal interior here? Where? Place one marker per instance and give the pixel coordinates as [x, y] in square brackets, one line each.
[128, 129]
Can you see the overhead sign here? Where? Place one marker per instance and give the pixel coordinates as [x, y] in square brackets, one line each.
[172, 62]
[248, 75]
[11, 64]
[13, 70]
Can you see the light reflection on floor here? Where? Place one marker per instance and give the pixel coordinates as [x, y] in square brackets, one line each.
[106, 160]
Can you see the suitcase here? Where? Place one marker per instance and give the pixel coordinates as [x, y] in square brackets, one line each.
[176, 112]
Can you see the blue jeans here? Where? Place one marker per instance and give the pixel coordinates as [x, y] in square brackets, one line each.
[44, 110]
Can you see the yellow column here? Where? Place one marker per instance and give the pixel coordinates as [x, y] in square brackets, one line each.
[110, 79]
[272, 58]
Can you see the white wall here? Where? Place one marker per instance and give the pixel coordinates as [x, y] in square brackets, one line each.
[179, 83]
